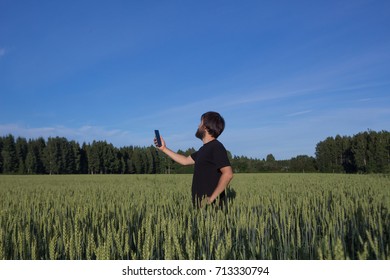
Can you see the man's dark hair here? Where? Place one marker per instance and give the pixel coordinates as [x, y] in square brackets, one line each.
[214, 123]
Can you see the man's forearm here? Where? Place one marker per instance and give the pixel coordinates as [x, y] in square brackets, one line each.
[222, 184]
[181, 159]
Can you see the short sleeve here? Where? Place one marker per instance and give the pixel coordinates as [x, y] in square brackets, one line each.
[220, 157]
[194, 155]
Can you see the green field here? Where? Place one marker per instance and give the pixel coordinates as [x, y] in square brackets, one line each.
[271, 216]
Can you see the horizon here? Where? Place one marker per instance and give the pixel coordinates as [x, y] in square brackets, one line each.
[186, 149]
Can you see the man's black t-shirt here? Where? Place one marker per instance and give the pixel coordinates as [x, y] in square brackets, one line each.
[209, 159]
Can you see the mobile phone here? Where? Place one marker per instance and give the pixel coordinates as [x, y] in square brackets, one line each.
[157, 134]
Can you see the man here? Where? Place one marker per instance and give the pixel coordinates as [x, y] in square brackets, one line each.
[212, 171]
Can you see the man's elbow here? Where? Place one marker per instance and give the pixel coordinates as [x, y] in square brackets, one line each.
[228, 173]
[188, 161]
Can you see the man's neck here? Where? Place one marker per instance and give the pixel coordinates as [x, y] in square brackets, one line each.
[207, 138]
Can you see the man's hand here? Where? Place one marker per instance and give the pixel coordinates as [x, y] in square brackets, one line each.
[181, 159]
[163, 145]
[205, 201]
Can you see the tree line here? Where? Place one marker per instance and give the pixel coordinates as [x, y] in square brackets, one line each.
[366, 152]
[57, 155]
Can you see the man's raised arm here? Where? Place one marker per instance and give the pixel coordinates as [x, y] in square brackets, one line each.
[181, 159]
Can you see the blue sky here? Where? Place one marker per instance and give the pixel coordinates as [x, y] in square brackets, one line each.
[284, 74]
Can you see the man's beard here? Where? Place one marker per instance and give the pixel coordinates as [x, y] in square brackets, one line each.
[200, 133]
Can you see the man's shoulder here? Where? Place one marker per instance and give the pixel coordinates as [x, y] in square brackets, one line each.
[214, 147]
[211, 146]
[216, 143]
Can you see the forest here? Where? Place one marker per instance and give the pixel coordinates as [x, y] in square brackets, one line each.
[365, 152]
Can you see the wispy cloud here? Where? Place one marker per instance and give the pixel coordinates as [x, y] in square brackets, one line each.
[266, 95]
[81, 134]
[299, 113]
[364, 100]
[2, 52]
[224, 101]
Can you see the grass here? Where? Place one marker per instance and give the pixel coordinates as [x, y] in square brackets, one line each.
[271, 216]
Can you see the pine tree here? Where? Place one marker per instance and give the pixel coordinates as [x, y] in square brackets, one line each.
[76, 153]
[21, 153]
[1, 157]
[8, 154]
[83, 159]
[150, 161]
[138, 161]
[35, 156]
[31, 162]
[359, 149]
[95, 157]
[52, 156]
